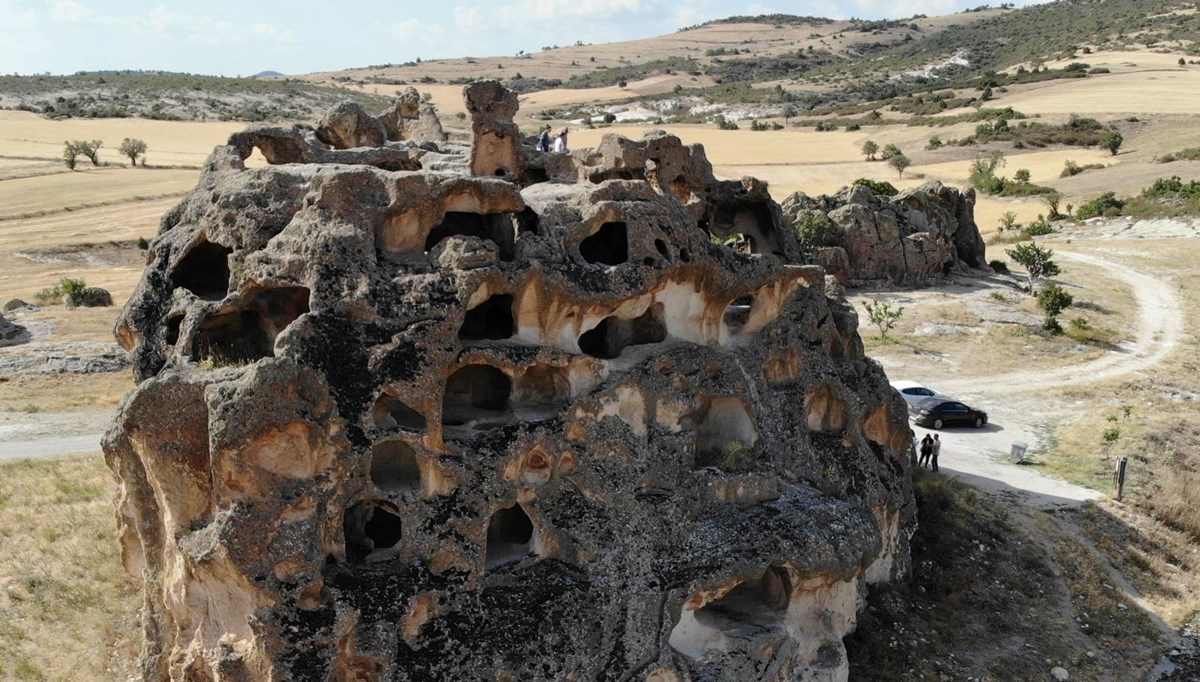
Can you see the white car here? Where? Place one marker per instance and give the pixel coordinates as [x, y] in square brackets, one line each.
[913, 393]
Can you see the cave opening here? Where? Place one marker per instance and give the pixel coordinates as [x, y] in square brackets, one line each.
[738, 313]
[204, 271]
[244, 335]
[609, 245]
[613, 335]
[509, 536]
[724, 433]
[757, 603]
[499, 228]
[372, 530]
[474, 393]
[492, 319]
[390, 413]
[394, 466]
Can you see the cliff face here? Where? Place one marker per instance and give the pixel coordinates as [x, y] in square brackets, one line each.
[426, 411]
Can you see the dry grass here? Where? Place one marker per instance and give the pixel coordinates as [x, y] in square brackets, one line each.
[67, 611]
[63, 392]
[28, 197]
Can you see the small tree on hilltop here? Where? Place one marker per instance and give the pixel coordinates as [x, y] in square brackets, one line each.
[899, 162]
[133, 148]
[870, 149]
[883, 316]
[1053, 299]
[1037, 261]
[889, 150]
[1111, 141]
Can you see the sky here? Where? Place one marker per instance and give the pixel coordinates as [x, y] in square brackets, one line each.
[224, 37]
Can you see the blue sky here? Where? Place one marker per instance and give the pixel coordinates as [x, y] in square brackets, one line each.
[298, 36]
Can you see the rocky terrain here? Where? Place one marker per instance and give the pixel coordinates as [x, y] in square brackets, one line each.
[437, 410]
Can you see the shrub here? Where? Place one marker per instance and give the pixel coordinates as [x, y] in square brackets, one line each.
[983, 172]
[1037, 261]
[1111, 140]
[1105, 204]
[935, 142]
[1008, 221]
[1022, 175]
[815, 230]
[67, 287]
[880, 188]
[1053, 299]
[1038, 228]
[883, 316]
[870, 149]
[889, 150]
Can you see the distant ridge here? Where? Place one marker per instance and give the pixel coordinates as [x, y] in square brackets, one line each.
[267, 74]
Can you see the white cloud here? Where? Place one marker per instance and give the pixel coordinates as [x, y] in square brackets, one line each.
[14, 19]
[69, 12]
[417, 31]
[478, 18]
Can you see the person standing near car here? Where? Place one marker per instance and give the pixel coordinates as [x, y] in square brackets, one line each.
[935, 450]
[926, 450]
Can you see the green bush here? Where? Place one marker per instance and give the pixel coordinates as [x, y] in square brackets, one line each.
[67, 287]
[1038, 228]
[1105, 204]
[880, 188]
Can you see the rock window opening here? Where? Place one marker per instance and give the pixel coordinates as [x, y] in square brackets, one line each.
[527, 220]
[373, 530]
[496, 227]
[475, 393]
[174, 323]
[492, 319]
[509, 536]
[661, 247]
[204, 271]
[738, 313]
[534, 176]
[724, 433]
[608, 246]
[394, 466]
[613, 335]
[389, 414]
[241, 336]
[758, 603]
[752, 221]
[685, 255]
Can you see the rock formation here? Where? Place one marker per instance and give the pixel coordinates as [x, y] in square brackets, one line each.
[12, 333]
[910, 240]
[441, 422]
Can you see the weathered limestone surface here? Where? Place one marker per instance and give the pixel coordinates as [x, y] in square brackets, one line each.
[435, 424]
[910, 240]
[12, 333]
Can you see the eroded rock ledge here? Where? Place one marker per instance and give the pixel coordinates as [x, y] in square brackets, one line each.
[434, 411]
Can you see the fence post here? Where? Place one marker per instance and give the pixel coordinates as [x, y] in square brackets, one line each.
[1119, 474]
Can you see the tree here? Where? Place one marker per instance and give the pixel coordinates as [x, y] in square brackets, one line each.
[1111, 140]
[899, 162]
[1182, 61]
[1053, 299]
[1052, 200]
[889, 150]
[882, 315]
[1022, 175]
[1037, 261]
[870, 149]
[90, 149]
[70, 153]
[133, 148]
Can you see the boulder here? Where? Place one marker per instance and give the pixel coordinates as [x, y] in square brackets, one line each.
[12, 334]
[911, 240]
[348, 125]
[15, 304]
[455, 425]
[88, 297]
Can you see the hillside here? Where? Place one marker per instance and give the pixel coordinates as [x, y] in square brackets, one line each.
[172, 97]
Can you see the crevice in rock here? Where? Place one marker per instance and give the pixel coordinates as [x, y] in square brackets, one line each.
[373, 531]
[394, 466]
[389, 413]
[509, 536]
[609, 245]
[495, 227]
[492, 319]
[613, 334]
[477, 395]
[204, 271]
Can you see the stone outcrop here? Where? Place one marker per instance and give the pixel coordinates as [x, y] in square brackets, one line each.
[12, 333]
[910, 240]
[411, 119]
[450, 424]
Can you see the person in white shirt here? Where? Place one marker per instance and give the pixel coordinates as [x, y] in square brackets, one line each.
[560, 142]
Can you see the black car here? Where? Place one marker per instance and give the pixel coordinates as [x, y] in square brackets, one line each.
[935, 413]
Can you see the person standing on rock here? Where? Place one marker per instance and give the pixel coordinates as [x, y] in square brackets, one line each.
[935, 450]
[560, 142]
[926, 450]
[543, 144]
